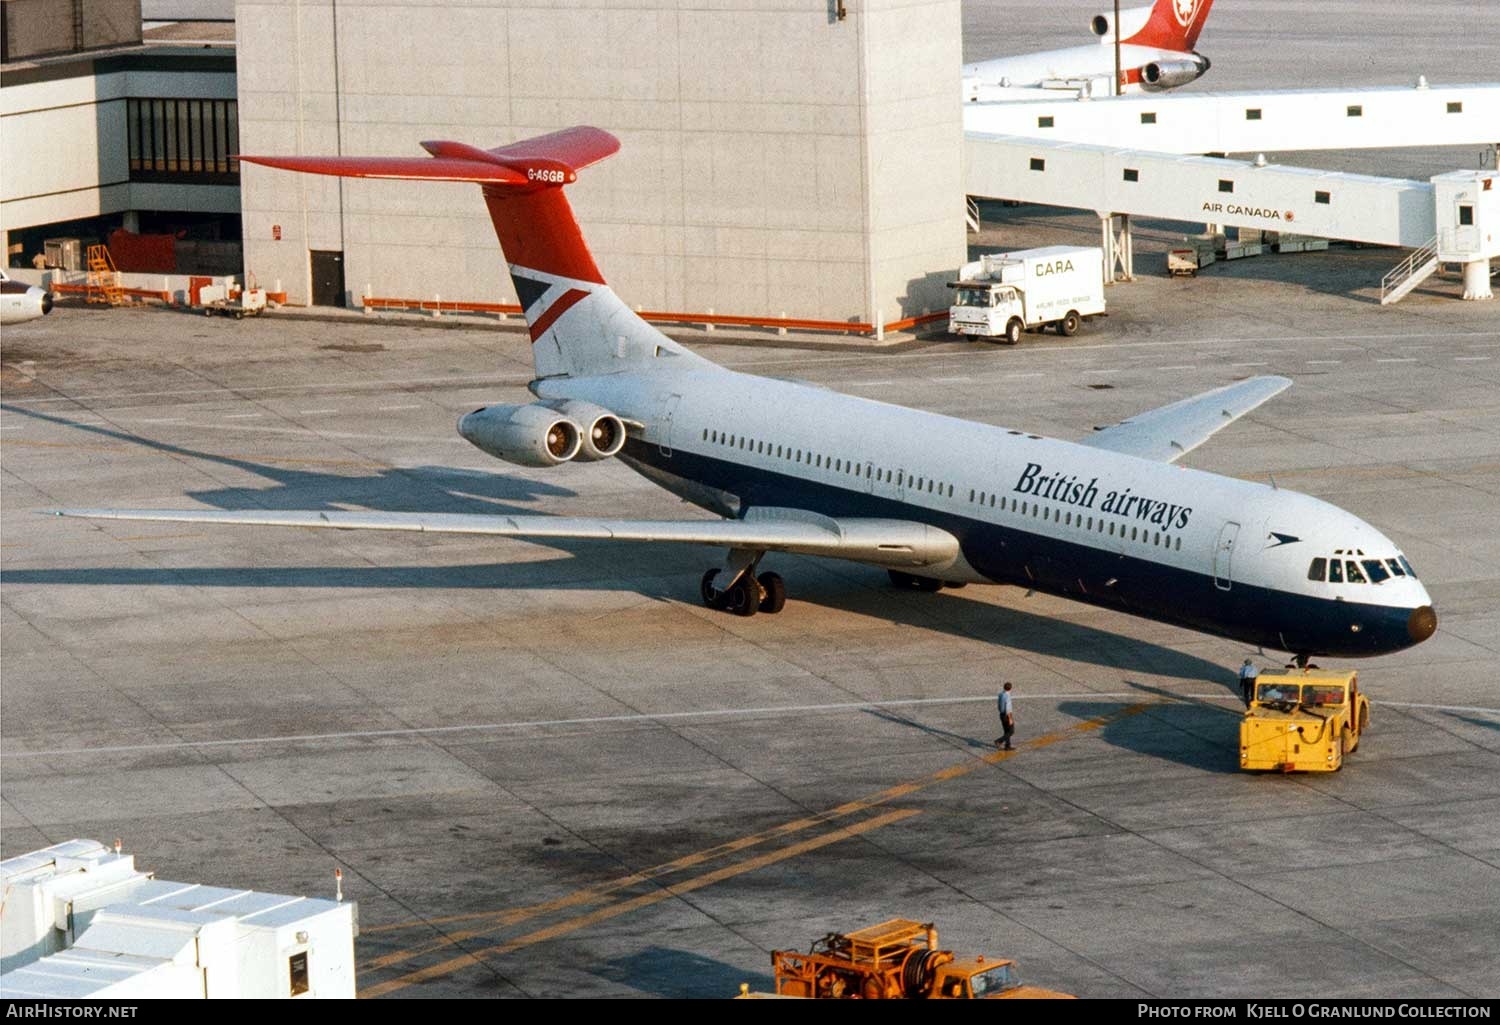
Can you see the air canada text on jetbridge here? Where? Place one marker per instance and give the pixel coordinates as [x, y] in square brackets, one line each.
[1070, 490]
[1239, 210]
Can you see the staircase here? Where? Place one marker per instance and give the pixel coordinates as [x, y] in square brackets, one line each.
[971, 214]
[104, 280]
[1409, 273]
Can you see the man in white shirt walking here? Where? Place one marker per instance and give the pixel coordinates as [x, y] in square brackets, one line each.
[1007, 719]
[1248, 672]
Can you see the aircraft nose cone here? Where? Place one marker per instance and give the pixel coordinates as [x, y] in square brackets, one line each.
[1421, 624]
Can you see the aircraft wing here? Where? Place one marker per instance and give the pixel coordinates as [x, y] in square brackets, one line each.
[895, 543]
[1169, 432]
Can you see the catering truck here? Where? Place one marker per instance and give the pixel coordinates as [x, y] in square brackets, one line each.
[1002, 294]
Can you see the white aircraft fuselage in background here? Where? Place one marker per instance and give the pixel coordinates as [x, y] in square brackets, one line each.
[933, 499]
[1156, 54]
[20, 302]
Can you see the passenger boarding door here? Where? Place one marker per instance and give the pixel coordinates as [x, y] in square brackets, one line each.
[664, 428]
[1224, 554]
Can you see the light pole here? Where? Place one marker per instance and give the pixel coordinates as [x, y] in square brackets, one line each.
[1118, 85]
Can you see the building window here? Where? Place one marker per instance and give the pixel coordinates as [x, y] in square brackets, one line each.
[1148, 118]
[1456, 107]
[188, 141]
[1038, 164]
[1046, 122]
[1355, 110]
[1225, 185]
[1252, 113]
[1132, 175]
[297, 969]
[1321, 197]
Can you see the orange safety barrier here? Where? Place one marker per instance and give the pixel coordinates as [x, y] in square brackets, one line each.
[378, 303]
[664, 316]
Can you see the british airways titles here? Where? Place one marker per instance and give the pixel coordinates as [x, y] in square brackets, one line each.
[1067, 488]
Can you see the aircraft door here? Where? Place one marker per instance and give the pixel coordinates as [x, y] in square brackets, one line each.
[1224, 554]
[664, 429]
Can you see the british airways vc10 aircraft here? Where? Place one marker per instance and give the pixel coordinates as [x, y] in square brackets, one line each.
[931, 499]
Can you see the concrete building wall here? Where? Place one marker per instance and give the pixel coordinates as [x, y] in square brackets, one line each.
[775, 159]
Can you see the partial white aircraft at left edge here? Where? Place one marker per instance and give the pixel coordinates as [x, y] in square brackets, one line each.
[20, 302]
[931, 499]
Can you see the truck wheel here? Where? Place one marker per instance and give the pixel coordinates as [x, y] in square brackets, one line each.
[1068, 326]
[1346, 741]
[1013, 331]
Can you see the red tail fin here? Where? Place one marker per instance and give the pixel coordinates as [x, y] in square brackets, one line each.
[1173, 25]
[522, 186]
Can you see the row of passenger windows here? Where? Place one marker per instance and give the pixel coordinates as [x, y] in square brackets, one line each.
[1347, 571]
[901, 478]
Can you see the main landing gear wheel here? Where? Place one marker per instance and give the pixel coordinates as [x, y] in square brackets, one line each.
[743, 597]
[749, 595]
[773, 593]
[712, 597]
[911, 582]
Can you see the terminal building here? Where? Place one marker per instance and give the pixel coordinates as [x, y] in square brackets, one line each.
[778, 159]
[793, 164]
[110, 122]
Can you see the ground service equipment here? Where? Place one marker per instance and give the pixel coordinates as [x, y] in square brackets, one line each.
[1002, 294]
[1303, 720]
[895, 959]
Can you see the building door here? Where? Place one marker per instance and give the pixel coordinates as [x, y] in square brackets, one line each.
[327, 277]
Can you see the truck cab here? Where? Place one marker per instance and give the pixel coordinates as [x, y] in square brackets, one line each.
[1303, 720]
[983, 308]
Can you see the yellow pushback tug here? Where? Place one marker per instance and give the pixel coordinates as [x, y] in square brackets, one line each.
[1303, 720]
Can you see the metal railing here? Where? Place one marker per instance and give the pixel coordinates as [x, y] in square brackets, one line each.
[1403, 272]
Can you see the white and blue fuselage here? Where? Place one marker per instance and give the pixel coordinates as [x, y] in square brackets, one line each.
[1153, 539]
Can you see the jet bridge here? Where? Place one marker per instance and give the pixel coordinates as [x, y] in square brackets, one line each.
[1385, 117]
[1456, 213]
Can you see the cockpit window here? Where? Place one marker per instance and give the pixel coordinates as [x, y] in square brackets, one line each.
[1355, 576]
[1374, 568]
[1395, 567]
[1409, 571]
[1335, 572]
[1318, 569]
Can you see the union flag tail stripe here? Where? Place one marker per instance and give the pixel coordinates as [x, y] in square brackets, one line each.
[561, 305]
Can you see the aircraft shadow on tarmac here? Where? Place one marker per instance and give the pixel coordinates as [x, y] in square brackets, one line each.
[669, 972]
[665, 572]
[1200, 734]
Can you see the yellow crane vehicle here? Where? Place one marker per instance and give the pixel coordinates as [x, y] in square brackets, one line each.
[898, 959]
[1303, 720]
